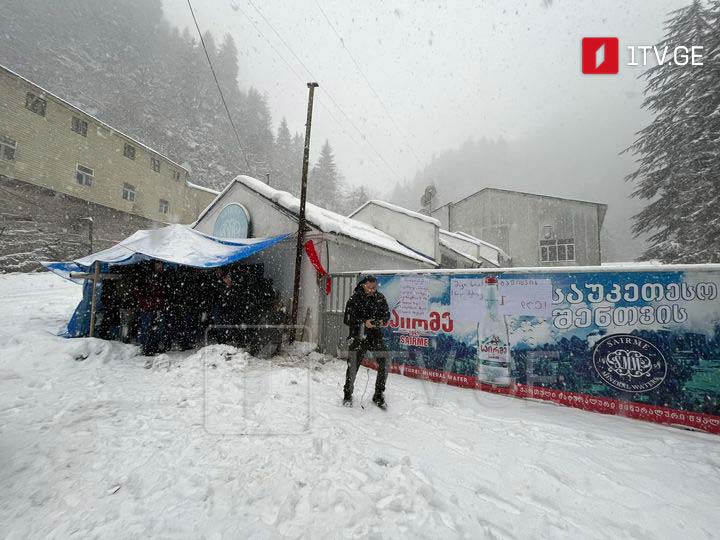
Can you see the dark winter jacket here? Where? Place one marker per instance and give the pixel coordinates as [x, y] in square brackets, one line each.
[153, 290]
[362, 307]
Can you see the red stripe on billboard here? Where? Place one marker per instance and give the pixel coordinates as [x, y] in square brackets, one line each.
[604, 405]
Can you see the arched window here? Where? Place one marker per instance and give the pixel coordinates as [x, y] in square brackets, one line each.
[233, 222]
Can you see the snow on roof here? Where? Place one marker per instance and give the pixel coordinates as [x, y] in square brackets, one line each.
[460, 253]
[202, 188]
[92, 117]
[399, 209]
[468, 238]
[328, 221]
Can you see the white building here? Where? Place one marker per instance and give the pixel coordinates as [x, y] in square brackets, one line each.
[248, 208]
[423, 234]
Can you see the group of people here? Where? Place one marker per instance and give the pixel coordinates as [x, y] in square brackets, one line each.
[163, 306]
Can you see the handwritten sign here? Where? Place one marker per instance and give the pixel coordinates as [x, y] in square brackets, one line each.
[525, 297]
[466, 299]
[414, 297]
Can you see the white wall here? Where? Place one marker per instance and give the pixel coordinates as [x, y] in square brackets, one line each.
[415, 233]
[265, 217]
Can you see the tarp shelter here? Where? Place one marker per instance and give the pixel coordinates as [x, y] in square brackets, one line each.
[174, 244]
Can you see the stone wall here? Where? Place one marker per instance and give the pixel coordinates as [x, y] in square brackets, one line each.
[38, 224]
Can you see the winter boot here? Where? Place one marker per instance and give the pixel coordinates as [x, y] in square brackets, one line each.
[379, 400]
[347, 401]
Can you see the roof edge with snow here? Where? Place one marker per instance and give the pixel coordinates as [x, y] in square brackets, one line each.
[399, 209]
[324, 220]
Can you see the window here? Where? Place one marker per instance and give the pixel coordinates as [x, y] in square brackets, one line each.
[84, 176]
[79, 126]
[557, 250]
[129, 151]
[176, 175]
[7, 148]
[164, 206]
[35, 104]
[155, 162]
[128, 192]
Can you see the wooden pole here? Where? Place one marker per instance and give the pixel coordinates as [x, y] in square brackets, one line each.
[301, 215]
[93, 302]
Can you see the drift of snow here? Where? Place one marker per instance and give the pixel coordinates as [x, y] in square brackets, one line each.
[218, 444]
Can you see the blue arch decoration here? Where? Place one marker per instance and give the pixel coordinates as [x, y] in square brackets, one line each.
[232, 222]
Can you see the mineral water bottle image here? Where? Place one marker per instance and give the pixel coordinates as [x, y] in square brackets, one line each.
[494, 359]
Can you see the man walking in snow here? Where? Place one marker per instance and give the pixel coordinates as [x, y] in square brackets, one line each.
[366, 312]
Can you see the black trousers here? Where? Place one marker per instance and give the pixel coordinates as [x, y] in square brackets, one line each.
[357, 352]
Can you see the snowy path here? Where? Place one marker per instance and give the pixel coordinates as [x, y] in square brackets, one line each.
[94, 445]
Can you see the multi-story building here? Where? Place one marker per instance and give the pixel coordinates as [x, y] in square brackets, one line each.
[534, 230]
[60, 166]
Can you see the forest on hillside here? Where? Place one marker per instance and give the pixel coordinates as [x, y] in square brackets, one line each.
[123, 62]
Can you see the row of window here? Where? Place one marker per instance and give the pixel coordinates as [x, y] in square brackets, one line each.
[84, 176]
[557, 250]
[38, 105]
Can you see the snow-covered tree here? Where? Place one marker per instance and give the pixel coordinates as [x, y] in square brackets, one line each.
[678, 164]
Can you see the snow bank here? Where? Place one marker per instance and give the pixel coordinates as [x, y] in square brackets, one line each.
[94, 445]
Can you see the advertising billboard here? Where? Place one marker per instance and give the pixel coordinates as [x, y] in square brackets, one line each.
[643, 344]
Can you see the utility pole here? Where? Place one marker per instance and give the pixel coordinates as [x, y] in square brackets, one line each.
[301, 216]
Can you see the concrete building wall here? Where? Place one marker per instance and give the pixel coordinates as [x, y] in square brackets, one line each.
[38, 224]
[443, 215]
[417, 234]
[518, 223]
[47, 153]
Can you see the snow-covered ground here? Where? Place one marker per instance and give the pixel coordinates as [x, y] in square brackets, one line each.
[217, 444]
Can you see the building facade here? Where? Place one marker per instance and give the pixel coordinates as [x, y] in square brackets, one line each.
[534, 230]
[48, 146]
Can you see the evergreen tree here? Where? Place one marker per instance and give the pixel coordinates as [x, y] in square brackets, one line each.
[285, 169]
[678, 164]
[323, 185]
[355, 197]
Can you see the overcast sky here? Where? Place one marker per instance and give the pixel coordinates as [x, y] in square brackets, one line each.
[446, 71]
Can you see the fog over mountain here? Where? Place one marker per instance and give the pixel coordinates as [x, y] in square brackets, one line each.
[465, 95]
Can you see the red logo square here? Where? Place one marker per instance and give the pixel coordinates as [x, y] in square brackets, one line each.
[600, 55]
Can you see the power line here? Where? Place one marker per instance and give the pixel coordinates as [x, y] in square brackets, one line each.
[302, 81]
[367, 81]
[298, 77]
[332, 99]
[217, 83]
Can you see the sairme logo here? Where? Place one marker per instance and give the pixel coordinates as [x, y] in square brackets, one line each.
[601, 55]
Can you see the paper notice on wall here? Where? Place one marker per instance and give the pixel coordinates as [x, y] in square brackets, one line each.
[414, 297]
[525, 297]
[466, 300]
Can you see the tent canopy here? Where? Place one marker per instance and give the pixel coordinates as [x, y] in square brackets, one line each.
[177, 244]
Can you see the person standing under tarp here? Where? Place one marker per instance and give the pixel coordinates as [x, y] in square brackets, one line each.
[366, 312]
[229, 308]
[153, 303]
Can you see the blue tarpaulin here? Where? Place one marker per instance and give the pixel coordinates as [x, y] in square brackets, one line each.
[174, 244]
